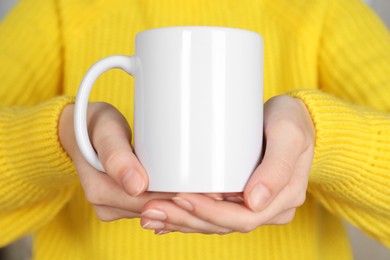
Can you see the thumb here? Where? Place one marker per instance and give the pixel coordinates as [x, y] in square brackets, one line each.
[284, 146]
[288, 132]
[111, 138]
[275, 171]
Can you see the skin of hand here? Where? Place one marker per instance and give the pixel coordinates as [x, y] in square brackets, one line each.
[120, 192]
[275, 190]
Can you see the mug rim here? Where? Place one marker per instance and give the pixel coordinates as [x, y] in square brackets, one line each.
[199, 27]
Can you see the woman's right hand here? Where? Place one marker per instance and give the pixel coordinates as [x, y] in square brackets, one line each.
[120, 192]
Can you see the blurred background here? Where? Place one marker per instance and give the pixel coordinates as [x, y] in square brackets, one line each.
[363, 247]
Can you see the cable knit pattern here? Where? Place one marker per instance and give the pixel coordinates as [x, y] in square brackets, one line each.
[334, 55]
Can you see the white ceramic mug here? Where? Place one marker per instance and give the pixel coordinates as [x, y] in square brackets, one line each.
[198, 107]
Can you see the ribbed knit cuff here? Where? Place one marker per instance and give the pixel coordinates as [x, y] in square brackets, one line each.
[351, 136]
[32, 160]
[350, 171]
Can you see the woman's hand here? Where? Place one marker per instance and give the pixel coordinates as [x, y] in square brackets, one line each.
[276, 188]
[119, 193]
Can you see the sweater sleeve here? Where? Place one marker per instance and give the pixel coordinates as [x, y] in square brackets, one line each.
[36, 175]
[350, 174]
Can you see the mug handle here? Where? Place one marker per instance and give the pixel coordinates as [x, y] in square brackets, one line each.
[126, 63]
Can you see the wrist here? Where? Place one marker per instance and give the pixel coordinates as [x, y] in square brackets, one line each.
[66, 130]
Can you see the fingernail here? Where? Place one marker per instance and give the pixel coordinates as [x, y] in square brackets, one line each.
[238, 199]
[161, 232]
[153, 225]
[224, 232]
[215, 196]
[259, 197]
[133, 183]
[183, 203]
[154, 214]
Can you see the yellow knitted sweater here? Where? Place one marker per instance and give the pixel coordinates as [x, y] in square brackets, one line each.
[333, 54]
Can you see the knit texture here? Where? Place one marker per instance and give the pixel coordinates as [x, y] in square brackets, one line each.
[334, 55]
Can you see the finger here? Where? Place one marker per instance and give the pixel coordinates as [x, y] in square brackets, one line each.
[232, 216]
[107, 214]
[236, 197]
[238, 217]
[231, 194]
[238, 200]
[100, 189]
[273, 174]
[111, 139]
[122, 165]
[163, 228]
[282, 208]
[174, 228]
[176, 219]
[292, 196]
[216, 196]
[168, 228]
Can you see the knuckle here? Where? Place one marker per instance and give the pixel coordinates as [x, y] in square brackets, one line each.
[152, 204]
[117, 163]
[300, 199]
[102, 105]
[278, 126]
[94, 196]
[182, 222]
[248, 227]
[296, 133]
[98, 108]
[103, 215]
[285, 219]
[285, 168]
[297, 136]
[96, 191]
[106, 111]
[289, 217]
[279, 178]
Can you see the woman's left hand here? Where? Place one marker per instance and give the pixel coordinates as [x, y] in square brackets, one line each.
[276, 188]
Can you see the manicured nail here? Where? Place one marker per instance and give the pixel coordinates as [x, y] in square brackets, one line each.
[259, 197]
[215, 196]
[134, 183]
[183, 203]
[237, 199]
[224, 232]
[154, 214]
[219, 198]
[153, 225]
[161, 232]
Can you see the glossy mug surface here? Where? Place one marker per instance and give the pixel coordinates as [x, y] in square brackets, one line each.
[198, 107]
